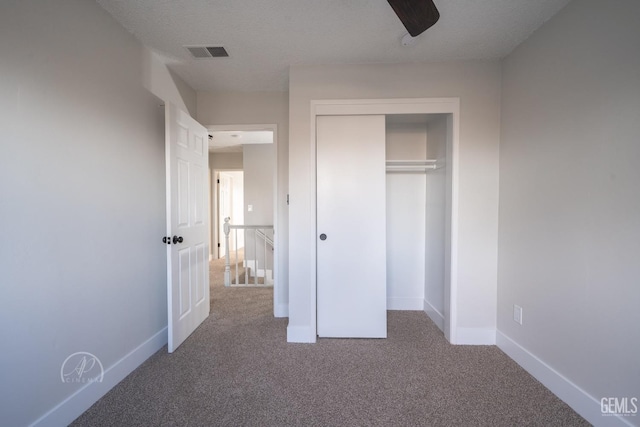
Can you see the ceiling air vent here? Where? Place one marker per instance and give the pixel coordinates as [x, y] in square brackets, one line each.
[201, 52]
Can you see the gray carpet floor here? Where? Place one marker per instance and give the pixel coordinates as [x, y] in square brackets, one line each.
[237, 369]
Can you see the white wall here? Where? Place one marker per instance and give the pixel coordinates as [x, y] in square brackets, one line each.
[259, 168]
[570, 199]
[226, 161]
[237, 196]
[82, 202]
[435, 211]
[478, 86]
[165, 84]
[250, 108]
[405, 196]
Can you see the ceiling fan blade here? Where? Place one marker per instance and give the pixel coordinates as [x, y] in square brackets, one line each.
[416, 15]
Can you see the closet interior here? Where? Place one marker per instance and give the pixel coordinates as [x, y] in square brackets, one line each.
[416, 197]
[383, 197]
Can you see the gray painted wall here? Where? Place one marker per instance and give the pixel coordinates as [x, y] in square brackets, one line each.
[435, 218]
[259, 169]
[231, 161]
[165, 84]
[569, 237]
[82, 200]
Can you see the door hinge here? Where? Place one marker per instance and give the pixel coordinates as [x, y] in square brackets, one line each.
[287, 199]
[218, 181]
[218, 244]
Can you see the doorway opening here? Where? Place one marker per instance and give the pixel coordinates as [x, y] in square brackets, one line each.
[446, 112]
[243, 164]
[230, 197]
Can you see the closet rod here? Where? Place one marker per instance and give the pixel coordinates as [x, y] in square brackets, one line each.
[412, 165]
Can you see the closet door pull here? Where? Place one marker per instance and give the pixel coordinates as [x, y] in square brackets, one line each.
[323, 236]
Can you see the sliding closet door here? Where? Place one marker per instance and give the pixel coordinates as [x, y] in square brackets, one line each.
[351, 225]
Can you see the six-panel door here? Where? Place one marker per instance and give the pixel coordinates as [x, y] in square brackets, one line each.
[187, 224]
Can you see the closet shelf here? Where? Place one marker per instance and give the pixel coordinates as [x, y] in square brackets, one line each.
[411, 162]
[411, 165]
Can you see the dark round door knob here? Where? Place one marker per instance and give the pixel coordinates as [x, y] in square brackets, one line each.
[177, 239]
[323, 236]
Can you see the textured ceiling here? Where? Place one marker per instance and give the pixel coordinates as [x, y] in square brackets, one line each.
[264, 37]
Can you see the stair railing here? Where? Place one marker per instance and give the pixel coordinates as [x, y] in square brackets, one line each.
[258, 254]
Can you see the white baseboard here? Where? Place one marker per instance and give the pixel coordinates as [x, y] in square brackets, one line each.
[405, 304]
[302, 334]
[73, 406]
[434, 315]
[475, 336]
[581, 402]
[281, 310]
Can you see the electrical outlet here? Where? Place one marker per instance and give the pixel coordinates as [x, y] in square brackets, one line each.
[517, 314]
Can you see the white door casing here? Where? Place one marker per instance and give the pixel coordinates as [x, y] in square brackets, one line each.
[350, 206]
[332, 107]
[225, 184]
[187, 218]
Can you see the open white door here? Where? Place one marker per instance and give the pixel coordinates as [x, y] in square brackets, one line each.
[187, 158]
[351, 224]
